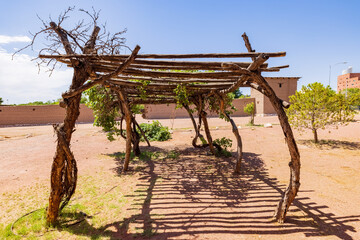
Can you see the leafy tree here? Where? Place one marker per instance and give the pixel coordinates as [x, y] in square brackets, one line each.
[1, 101]
[341, 107]
[250, 109]
[237, 93]
[316, 106]
[352, 95]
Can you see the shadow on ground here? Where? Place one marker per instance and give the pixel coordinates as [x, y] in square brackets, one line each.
[331, 144]
[188, 194]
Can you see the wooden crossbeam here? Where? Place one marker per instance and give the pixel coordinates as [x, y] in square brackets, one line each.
[168, 56]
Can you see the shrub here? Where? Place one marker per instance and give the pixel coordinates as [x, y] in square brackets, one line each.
[224, 143]
[155, 131]
[250, 109]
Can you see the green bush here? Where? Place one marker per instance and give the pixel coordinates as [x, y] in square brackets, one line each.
[224, 143]
[155, 131]
[250, 109]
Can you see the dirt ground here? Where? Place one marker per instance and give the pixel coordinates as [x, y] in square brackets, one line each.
[196, 196]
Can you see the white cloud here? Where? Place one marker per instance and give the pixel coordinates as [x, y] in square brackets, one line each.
[10, 39]
[20, 81]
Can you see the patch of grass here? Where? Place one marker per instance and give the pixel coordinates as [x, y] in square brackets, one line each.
[254, 125]
[99, 201]
[173, 154]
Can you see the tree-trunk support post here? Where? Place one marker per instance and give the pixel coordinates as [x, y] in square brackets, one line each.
[64, 171]
[128, 120]
[279, 105]
[203, 115]
[294, 184]
[235, 131]
[196, 128]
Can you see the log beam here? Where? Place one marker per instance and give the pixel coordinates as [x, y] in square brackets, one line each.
[167, 56]
[103, 78]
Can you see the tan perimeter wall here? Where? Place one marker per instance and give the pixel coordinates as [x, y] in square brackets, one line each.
[46, 114]
[158, 111]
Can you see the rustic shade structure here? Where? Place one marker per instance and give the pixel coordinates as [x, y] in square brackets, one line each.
[130, 75]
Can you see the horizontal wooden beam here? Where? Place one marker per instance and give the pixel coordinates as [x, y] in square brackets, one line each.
[168, 86]
[164, 74]
[145, 101]
[169, 56]
[103, 78]
[178, 81]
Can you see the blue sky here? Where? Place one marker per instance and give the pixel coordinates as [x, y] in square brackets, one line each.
[315, 34]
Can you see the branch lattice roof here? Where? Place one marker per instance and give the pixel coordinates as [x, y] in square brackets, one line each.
[159, 78]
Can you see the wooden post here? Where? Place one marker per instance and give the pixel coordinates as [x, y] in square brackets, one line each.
[196, 128]
[294, 184]
[128, 120]
[135, 138]
[202, 116]
[235, 131]
[64, 170]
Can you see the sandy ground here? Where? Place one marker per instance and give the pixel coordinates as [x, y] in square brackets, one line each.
[190, 199]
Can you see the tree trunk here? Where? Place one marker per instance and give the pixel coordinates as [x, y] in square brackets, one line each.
[292, 189]
[207, 131]
[235, 131]
[315, 136]
[128, 140]
[63, 170]
[196, 128]
[135, 139]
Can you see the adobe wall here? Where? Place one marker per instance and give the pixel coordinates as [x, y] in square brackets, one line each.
[45, 114]
[282, 86]
[159, 111]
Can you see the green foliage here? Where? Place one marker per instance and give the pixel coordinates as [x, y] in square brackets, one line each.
[245, 96]
[214, 105]
[237, 93]
[142, 88]
[100, 100]
[250, 109]
[105, 106]
[316, 106]
[352, 95]
[224, 143]
[341, 108]
[155, 131]
[182, 95]
[1, 100]
[39, 103]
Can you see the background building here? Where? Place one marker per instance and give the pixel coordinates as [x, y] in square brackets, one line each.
[348, 80]
[282, 86]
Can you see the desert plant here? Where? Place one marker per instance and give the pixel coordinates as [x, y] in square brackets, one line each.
[250, 109]
[155, 131]
[223, 144]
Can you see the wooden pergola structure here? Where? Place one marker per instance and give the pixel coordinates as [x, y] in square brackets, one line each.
[158, 74]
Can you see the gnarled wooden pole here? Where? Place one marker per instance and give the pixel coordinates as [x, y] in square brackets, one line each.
[202, 116]
[196, 128]
[291, 191]
[64, 170]
[235, 131]
[128, 120]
